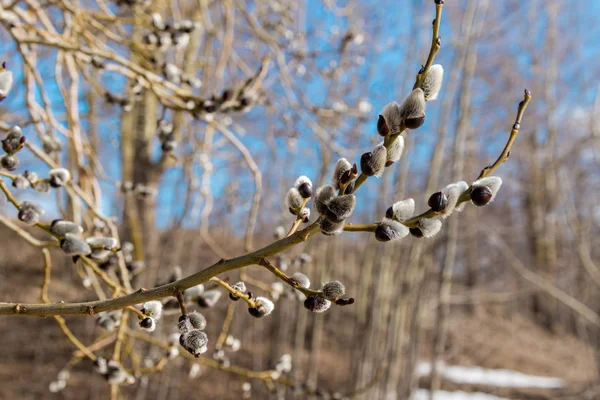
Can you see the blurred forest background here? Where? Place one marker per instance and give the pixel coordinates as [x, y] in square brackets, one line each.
[511, 286]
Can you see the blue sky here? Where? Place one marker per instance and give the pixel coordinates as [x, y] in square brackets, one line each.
[386, 74]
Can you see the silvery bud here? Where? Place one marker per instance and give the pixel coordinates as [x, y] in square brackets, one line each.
[389, 229]
[209, 298]
[395, 151]
[390, 120]
[6, 82]
[30, 213]
[373, 162]
[153, 308]
[107, 243]
[304, 186]
[301, 279]
[334, 290]
[293, 200]
[484, 190]
[192, 321]
[20, 182]
[340, 208]
[197, 320]
[331, 228]
[59, 177]
[116, 375]
[194, 342]
[61, 227]
[433, 82]
[427, 228]
[452, 193]
[240, 287]
[263, 307]
[317, 304]
[304, 214]
[401, 210]
[72, 245]
[323, 196]
[342, 168]
[9, 162]
[42, 186]
[13, 141]
[109, 320]
[412, 110]
[32, 177]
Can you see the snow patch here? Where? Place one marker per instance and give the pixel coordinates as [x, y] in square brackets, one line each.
[490, 377]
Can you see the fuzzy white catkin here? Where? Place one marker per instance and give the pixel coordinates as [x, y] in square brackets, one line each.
[266, 304]
[59, 176]
[301, 279]
[403, 210]
[302, 180]
[433, 82]
[414, 105]
[341, 166]
[394, 152]
[393, 117]
[491, 182]
[340, 208]
[153, 308]
[452, 193]
[331, 228]
[72, 245]
[323, 196]
[293, 199]
[105, 242]
[6, 82]
[334, 290]
[394, 229]
[61, 227]
[430, 227]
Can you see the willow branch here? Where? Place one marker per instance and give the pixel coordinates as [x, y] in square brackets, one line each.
[143, 295]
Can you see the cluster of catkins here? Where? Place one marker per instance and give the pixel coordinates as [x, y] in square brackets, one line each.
[332, 291]
[262, 305]
[192, 338]
[166, 136]
[165, 35]
[152, 310]
[333, 206]
[443, 203]
[283, 366]
[113, 372]
[11, 144]
[61, 381]
[297, 197]
[96, 247]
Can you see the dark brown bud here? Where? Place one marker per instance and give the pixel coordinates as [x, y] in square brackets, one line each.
[305, 190]
[146, 323]
[344, 302]
[416, 232]
[382, 127]
[438, 202]
[389, 212]
[382, 233]
[414, 123]
[481, 195]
